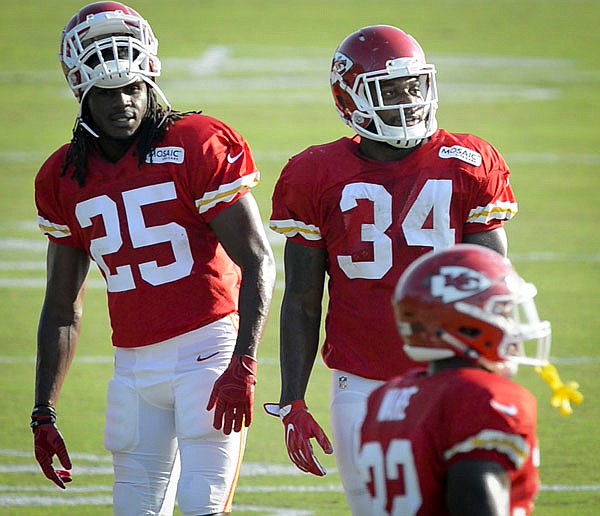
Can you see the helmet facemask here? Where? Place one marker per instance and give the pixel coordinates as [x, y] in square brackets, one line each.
[529, 341]
[110, 50]
[525, 340]
[112, 62]
[366, 94]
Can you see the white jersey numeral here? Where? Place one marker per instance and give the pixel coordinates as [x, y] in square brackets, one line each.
[434, 198]
[375, 233]
[384, 471]
[140, 234]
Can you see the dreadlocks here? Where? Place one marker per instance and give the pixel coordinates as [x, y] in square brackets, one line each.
[151, 131]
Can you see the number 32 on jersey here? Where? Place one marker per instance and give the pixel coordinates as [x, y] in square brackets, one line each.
[391, 477]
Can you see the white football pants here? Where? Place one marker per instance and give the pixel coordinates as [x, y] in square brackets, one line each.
[160, 433]
[348, 405]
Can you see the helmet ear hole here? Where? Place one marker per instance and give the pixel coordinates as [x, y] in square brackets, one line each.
[470, 333]
[340, 100]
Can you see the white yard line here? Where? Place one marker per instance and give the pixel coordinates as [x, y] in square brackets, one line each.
[108, 360]
[21, 496]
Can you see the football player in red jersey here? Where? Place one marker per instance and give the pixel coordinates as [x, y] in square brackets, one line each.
[161, 201]
[459, 438]
[359, 210]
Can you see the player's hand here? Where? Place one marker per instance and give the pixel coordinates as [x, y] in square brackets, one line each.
[300, 427]
[47, 443]
[232, 395]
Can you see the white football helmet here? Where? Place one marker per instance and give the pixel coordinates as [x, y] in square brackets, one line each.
[468, 301]
[109, 45]
[364, 60]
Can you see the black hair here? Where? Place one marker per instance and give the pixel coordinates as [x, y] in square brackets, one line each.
[151, 131]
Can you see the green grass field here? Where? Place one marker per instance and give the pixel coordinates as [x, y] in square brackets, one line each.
[523, 74]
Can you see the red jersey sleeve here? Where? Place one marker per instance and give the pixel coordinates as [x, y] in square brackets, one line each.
[294, 213]
[504, 429]
[227, 156]
[52, 218]
[493, 202]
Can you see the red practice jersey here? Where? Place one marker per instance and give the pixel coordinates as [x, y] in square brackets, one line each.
[147, 227]
[374, 219]
[417, 426]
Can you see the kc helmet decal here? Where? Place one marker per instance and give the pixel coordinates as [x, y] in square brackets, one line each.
[454, 283]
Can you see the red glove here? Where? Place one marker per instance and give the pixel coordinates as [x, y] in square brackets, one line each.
[300, 428]
[48, 442]
[233, 394]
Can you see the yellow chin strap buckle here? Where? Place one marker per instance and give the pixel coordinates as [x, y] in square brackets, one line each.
[562, 394]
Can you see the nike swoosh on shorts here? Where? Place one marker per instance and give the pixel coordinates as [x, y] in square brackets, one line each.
[203, 358]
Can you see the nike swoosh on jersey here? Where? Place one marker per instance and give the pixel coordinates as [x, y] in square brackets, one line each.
[509, 410]
[233, 159]
[203, 358]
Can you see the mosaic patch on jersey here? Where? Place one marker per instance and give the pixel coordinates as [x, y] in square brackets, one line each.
[166, 155]
[462, 153]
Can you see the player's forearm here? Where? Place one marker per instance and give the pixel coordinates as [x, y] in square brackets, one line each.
[60, 319]
[256, 294]
[57, 342]
[299, 344]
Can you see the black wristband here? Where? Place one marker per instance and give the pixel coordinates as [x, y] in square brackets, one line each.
[42, 415]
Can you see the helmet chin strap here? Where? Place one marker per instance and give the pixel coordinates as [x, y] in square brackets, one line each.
[400, 144]
[384, 133]
[506, 369]
[79, 113]
[461, 349]
[397, 144]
